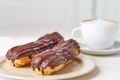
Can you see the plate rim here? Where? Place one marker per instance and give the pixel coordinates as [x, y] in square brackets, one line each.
[83, 71]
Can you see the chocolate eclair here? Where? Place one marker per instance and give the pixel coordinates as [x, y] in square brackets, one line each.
[53, 60]
[21, 55]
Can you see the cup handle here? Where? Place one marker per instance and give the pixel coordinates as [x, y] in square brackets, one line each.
[80, 39]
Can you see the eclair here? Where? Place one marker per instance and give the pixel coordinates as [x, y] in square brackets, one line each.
[53, 60]
[21, 55]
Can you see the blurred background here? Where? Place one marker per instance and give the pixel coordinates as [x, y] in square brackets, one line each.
[21, 18]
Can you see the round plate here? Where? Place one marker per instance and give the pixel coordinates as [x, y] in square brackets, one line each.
[77, 67]
[113, 50]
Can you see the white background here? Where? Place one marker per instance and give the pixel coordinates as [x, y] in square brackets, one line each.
[37, 17]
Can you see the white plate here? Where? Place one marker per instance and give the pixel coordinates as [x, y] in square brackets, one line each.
[113, 50]
[78, 67]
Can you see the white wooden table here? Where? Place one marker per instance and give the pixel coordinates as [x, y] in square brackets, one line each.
[107, 67]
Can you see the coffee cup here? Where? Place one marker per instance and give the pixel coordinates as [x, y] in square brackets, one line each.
[96, 34]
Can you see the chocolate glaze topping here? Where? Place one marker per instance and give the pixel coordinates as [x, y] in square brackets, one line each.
[43, 43]
[60, 54]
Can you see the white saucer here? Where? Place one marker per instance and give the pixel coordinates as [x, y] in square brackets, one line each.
[113, 50]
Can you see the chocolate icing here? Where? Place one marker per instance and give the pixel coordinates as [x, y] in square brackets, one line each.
[60, 54]
[45, 42]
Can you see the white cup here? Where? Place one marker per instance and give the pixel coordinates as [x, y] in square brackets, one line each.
[97, 34]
